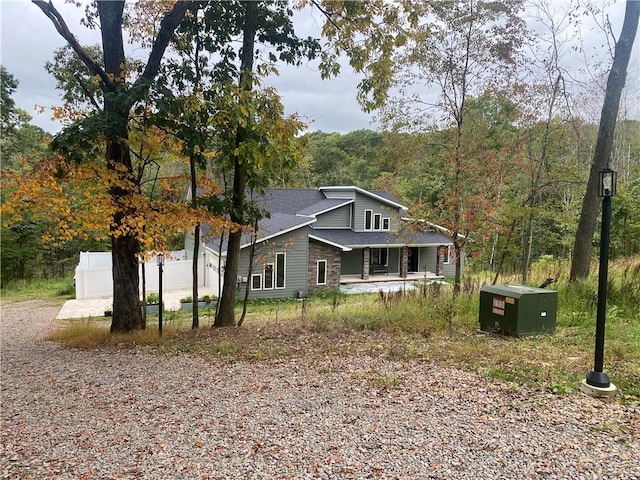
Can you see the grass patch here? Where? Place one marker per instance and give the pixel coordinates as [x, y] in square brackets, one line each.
[88, 333]
[41, 289]
[427, 325]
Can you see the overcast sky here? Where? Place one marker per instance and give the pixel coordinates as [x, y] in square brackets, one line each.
[29, 39]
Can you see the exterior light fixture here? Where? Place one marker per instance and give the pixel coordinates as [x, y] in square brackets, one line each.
[607, 183]
[160, 260]
[597, 382]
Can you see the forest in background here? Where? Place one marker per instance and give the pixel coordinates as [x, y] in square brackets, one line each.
[410, 167]
[534, 212]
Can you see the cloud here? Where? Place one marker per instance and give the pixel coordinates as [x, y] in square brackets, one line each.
[29, 40]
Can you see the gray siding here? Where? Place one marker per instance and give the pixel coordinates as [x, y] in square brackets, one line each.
[363, 203]
[351, 262]
[338, 218]
[428, 258]
[295, 245]
[428, 262]
[346, 193]
[394, 261]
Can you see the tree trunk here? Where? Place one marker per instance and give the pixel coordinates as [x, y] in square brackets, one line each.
[226, 312]
[457, 279]
[601, 157]
[195, 314]
[252, 254]
[527, 240]
[127, 314]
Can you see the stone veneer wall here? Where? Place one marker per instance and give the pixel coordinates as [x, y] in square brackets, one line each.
[322, 251]
[366, 253]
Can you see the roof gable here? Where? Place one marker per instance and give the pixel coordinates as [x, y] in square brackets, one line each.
[293, 208]
[345, 192]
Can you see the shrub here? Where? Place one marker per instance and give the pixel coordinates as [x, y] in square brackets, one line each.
[153, 298]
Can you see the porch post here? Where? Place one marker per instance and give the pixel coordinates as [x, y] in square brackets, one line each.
[404, 263]
[364, 275]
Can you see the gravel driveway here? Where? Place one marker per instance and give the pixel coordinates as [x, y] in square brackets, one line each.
[70, 414]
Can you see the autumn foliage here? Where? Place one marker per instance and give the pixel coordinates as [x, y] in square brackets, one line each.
[73, 200]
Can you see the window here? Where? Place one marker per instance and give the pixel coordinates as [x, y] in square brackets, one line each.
[446, 253]
[280, 270]
[368, 215]
[268, 276]
[377, 218]
[256, 281]
[322, 272]
[385, 223]
[379, 256]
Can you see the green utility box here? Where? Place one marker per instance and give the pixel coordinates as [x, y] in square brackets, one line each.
[517, 310]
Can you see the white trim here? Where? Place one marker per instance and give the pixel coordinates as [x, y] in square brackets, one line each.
[431, 224]
[388, 221]
[333, 244]
[318, 272]
[284, 273]
[364, 220]
[320, 212]
[447, 259]
[276, 234]
[396, 245]
[264, 280]
[364, 192]
[258, 276]
[377, 219]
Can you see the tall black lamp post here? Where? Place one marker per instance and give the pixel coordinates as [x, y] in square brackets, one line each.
[160, 259]
[597, 379]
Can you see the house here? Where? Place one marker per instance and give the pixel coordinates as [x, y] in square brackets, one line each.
[316, 239]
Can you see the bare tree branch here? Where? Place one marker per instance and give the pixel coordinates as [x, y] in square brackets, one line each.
[61, 26]
[167, 27]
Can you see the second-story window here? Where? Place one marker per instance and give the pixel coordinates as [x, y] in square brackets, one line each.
[368, 219]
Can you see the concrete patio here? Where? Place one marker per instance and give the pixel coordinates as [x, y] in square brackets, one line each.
[95, 307]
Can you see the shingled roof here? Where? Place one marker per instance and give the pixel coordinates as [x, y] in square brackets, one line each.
[352, 239]
[293, 208]
[311, 202]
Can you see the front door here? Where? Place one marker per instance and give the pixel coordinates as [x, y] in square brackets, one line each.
[413, 259]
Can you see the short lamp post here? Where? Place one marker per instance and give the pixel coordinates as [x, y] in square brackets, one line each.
[160, 260]
[597, 382]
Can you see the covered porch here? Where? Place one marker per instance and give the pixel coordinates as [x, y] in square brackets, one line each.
[353, 284]
[410, 277]
[394, 263]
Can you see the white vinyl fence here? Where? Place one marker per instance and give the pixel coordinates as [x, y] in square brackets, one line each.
[93, 274]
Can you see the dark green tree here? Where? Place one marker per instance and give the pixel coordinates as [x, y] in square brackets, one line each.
[111, 126]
